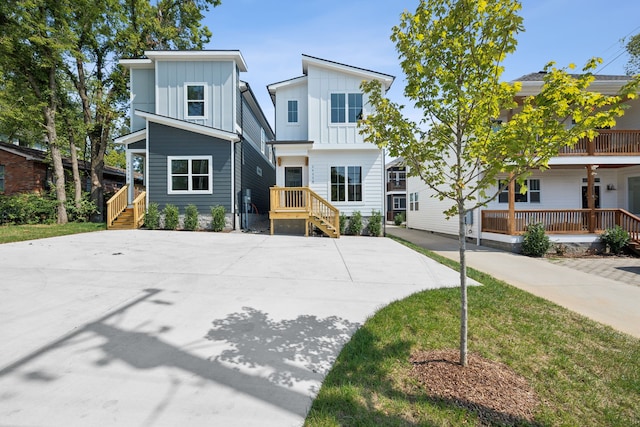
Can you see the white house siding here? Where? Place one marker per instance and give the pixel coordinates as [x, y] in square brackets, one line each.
[143, 96]
[322, 83]
[320, 163]
[430, 214]
[292, 131]
[217, 76]
[631, 116]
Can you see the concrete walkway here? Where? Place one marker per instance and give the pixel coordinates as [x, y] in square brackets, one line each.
[603, 289]
[158, 328]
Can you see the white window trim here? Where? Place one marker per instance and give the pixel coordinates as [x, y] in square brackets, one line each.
[186, 100]
[346, 109]
[297, 122]
[346, 184]
[528, 194]
[189, 159]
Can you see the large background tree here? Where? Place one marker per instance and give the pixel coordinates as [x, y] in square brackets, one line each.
[451, 52]
[633, 49]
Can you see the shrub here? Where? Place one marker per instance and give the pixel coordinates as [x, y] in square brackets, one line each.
[217, 218]
[343, 223]
[375, 223]
[399, 218]
[27, 208]
[152, 217]
[535, 242]
[191, 217]
[84, 211]
[171, 217]
[615, 239]
[355, 223]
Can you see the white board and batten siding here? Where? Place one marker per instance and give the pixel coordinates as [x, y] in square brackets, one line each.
[296, 91]
[320, 163]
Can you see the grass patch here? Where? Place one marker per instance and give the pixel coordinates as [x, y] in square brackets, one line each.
[19, 233]
[584, 373]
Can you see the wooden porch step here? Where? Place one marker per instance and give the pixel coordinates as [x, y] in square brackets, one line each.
[124, 221]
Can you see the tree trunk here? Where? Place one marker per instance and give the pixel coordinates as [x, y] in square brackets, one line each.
[56, 159]
[98, 147]
[77, 184]
[463, 286]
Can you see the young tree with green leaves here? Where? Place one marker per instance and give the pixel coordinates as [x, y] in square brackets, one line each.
[452, 52]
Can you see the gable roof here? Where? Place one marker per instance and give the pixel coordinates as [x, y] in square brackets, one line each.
[152, 56]
[606, 84]
[307, 60]
[539, 76]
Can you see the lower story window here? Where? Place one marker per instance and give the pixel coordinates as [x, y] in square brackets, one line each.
[399, 203]
[190, 174]
[532, 195]
[1, 178]
[413, 202]
[346, 184]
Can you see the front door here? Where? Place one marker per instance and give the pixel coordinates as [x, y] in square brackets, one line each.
[293, 176]
[585, 200]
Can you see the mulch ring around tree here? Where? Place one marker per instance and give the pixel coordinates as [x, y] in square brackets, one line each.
[490, 389]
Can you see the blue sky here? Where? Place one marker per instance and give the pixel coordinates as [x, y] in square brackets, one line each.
[273, 34]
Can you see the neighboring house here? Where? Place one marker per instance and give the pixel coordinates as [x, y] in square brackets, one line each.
[199, 132]
[324, 167]
[28, 170]
[559, 197]
[396, 188]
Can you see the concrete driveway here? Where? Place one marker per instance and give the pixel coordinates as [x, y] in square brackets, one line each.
[156, 328]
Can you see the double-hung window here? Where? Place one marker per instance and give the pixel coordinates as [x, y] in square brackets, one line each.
[414, 205]
[190, 175]
[346, 108]
[292, 111]
[346, 184]
[531, 196]
[399, 202]
[1, 178]
[195, 100]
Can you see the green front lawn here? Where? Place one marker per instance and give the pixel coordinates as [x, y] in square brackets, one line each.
[18, 233]
[584, 373]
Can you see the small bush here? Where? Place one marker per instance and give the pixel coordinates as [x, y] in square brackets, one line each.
[615, 239]
[84, 211]
[28, 208]
[399, 218]
[355, 223]
[217, 218]
[343, 223]
[191, 217]
[375, 223]
[152, 217]
[535, 242]
[171, 217]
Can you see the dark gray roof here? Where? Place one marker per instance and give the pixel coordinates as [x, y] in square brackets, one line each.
[539, 76]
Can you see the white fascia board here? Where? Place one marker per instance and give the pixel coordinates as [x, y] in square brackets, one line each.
[594, 160]
[385, 79]
[131, 137]
[198, 55]
[291, 82]
[188, 126]
[136, 63]
[606, 87]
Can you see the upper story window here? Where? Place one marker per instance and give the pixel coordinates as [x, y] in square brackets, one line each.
[292, 111]
[196, 99]
[190, 174]
[531, 196]
[346, 108]
[263, 141]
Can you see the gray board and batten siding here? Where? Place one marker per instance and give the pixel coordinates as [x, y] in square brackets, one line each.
[251, 160]
[168, 141]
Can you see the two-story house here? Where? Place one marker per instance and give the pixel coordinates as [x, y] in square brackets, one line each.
[323, 166]
[199, 133]
[588, 188]
[396, 188]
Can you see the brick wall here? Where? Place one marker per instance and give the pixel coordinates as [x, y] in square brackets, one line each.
[22, 175]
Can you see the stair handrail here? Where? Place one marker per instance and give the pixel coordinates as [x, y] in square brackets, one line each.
[630, 223]
[139, 209]
[116, 205]
[324, 210]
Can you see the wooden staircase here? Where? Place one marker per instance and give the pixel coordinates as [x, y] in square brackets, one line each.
[296, 203]
[122, 217]
[631, 224]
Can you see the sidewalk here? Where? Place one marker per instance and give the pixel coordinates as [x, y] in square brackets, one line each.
[605, 299]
